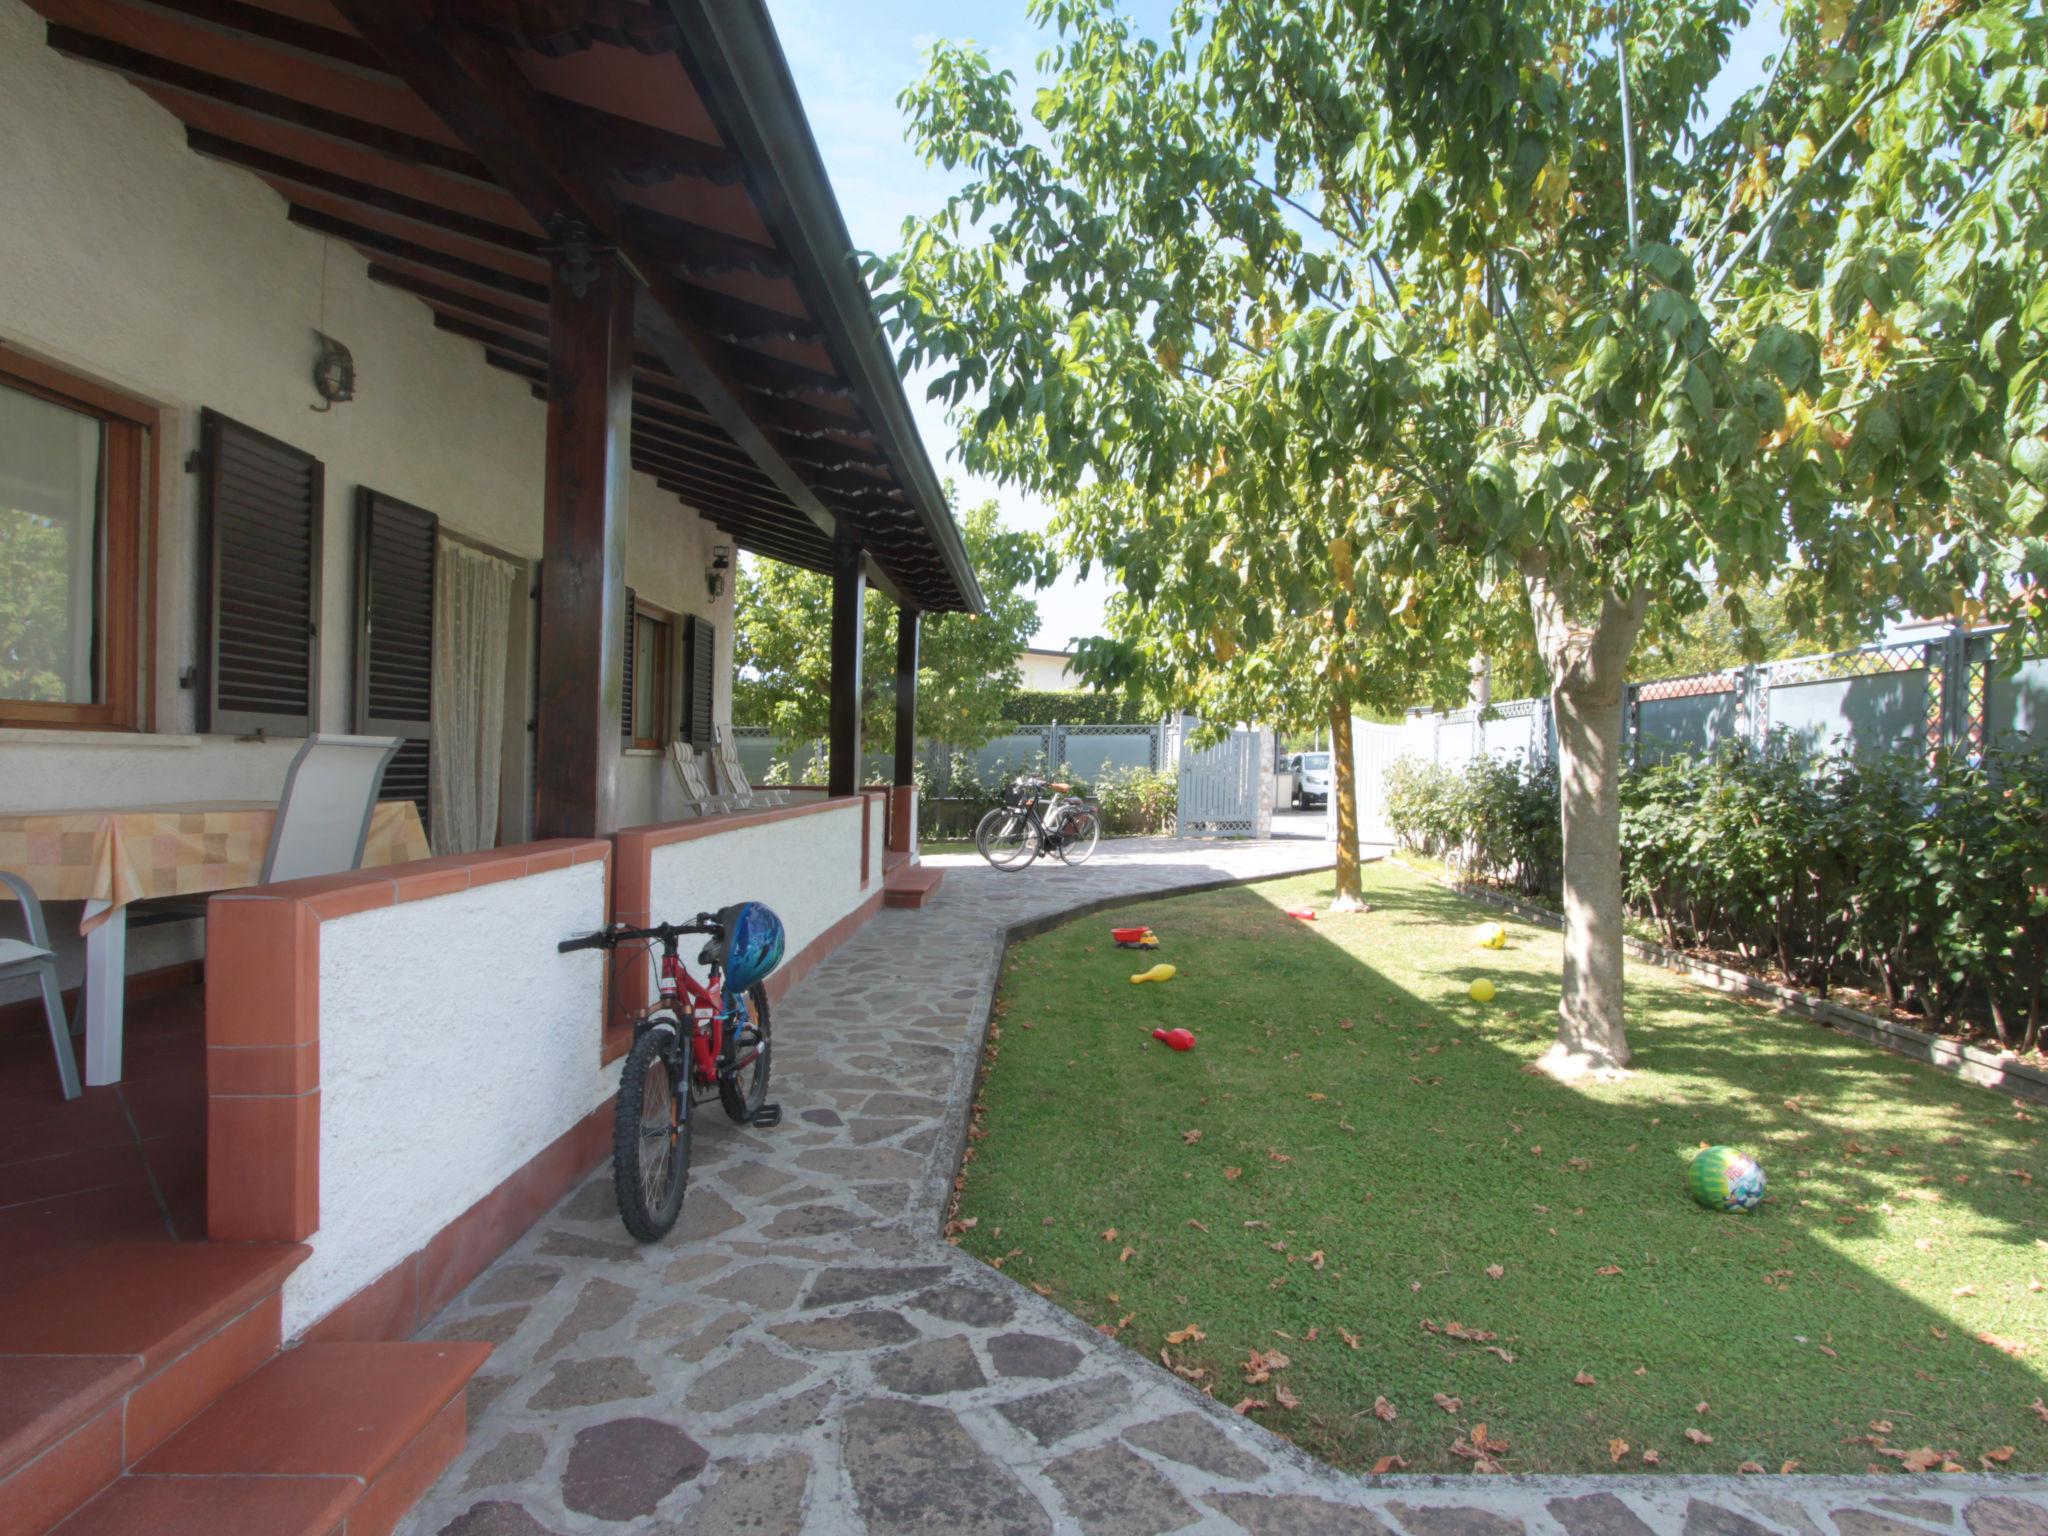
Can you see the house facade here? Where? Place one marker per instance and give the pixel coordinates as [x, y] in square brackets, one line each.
[408, 371]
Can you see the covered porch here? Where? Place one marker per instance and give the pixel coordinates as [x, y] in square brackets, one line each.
[430, 365]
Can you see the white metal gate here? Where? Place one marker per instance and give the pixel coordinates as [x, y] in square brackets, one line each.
[1373, 750]
[1220, 786]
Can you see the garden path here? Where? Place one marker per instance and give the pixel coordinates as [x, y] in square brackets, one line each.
[805, 1356]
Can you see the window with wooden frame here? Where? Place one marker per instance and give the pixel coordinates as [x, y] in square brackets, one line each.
[75, 507]
[649, 675]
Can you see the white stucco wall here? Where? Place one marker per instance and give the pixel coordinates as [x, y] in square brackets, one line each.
[130, 260]
[807, 868]
[455, 1044]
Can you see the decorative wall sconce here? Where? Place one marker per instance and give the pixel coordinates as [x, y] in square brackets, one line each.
[334, 373]
[714, 574]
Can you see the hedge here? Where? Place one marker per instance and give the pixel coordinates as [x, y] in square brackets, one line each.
[1927, 881]
[1065, 706]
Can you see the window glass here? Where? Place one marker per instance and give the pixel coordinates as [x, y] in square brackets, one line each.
[1315, 760]
[52, 512]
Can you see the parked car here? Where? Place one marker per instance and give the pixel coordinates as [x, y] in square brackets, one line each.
[1311, 772]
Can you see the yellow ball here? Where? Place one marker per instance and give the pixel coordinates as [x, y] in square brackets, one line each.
[1491, 936]
[1481, 991]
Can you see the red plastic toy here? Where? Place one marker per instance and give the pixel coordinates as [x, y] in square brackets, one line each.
[1306, 914]
[1179, 1039]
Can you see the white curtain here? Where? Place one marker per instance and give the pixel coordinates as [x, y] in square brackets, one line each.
[472, 632]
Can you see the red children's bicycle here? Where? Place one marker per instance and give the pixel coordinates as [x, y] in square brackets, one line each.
[694, 1041]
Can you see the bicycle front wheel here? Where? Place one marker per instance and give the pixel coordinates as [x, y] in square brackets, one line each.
[1079, 834]
[1005, 838]
[651, 1133]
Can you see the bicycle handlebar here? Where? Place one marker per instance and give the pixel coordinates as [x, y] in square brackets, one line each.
[666, 933]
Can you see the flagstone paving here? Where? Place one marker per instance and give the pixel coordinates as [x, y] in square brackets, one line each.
[804, 1355]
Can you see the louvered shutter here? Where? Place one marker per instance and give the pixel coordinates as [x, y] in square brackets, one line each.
[626, 671]
[700, 647]
[395, 551]
[261, 500]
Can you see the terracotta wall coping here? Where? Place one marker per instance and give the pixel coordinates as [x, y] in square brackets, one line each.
[393, 885]
[660, 834]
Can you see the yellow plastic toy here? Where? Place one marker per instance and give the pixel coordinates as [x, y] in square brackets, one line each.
[1481, 991]
[1157, 973]
[1491, 936]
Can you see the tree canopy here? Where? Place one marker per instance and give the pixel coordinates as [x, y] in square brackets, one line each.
[782, 665]
[1358, 338]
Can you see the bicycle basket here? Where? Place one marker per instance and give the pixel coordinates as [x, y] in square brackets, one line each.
[753, 944]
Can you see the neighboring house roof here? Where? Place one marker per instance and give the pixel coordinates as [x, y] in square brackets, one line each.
[458, 146]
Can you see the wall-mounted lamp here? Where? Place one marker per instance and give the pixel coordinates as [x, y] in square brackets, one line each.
[714, 574]
[334, 373]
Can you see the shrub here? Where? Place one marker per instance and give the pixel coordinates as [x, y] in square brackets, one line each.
[1927, 880]
[1138, 801]
[1066, 706]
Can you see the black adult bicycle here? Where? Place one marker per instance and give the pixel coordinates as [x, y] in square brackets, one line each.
[694, 1042]
[1017, 831]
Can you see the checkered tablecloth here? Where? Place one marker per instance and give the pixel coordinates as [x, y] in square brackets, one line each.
[109, 858]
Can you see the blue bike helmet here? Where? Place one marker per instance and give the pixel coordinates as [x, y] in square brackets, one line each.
[753, 944]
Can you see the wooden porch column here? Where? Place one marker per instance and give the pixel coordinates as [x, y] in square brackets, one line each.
[903, 797]
[583, 566]
[906, 695]
[849, 599]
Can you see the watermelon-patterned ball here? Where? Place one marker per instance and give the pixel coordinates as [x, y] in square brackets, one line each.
[1723, 1179]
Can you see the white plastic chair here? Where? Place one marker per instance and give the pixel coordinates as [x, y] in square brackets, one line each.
[35, 957]
[734, 777]
[689, 772]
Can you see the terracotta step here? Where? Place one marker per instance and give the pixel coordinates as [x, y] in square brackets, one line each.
[216, 1506]
[111, 1354]
[911, 886]
[894, 859]
[384, 1418]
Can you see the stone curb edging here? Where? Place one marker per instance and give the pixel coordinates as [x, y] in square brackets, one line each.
[1970, 1063]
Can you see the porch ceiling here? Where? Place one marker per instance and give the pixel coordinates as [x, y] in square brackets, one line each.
[445, 138]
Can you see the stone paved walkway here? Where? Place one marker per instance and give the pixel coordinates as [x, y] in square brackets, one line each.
[805, 1357]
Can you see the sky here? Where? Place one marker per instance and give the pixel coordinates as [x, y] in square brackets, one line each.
[851, 58]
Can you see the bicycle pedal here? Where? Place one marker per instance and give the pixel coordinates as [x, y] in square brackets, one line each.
[767, 1115]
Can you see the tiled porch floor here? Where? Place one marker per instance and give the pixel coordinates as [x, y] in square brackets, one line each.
[121, 1164]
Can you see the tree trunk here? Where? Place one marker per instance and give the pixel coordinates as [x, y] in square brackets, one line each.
[1590, 1034]
[1588, 664]
[1349, 888]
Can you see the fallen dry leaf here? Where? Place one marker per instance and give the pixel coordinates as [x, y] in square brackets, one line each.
[1700, 1408]
[1125, 1320]
[2013, 1347]
[1187, 1335]
[1925, 1459]
[1495, 1349]
[1196, 1225]
[1311, 1334]
[1315, 1260]
[1043, 1290]
[1383, 1410]
[1125, 1256]
[1699, 1437]
[1351, 1339]
[1494, 1271]
[1190, 1137]
[1278, 1157]
[1608, 1269]
[1585, 1379]
[1881, 1426]
[1233, 1173]
[1653, 1458]
[1109, 1236]
[1388, 1464]
[1285, 1398]
[1826, 1351]
[1964, 1290]
[1616, 1449]
[1247, 1404]
[1787, 1468]
[2039, 1409]
[1750, 1466]
[1450, 1405]
[1998, 1457]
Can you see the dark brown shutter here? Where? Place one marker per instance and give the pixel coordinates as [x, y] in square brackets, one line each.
[626, 671]
[395, 551]
[261, 502]
[700, 647]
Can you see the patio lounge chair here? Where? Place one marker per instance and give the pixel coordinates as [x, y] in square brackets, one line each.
[35, 957]
[689, 772]
[734, 777]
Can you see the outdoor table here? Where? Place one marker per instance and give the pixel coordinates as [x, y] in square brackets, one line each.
[108, 858]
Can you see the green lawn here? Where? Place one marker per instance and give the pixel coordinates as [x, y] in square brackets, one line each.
[1354, 1147]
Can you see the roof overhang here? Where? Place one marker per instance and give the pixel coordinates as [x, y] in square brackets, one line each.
[453, 142]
